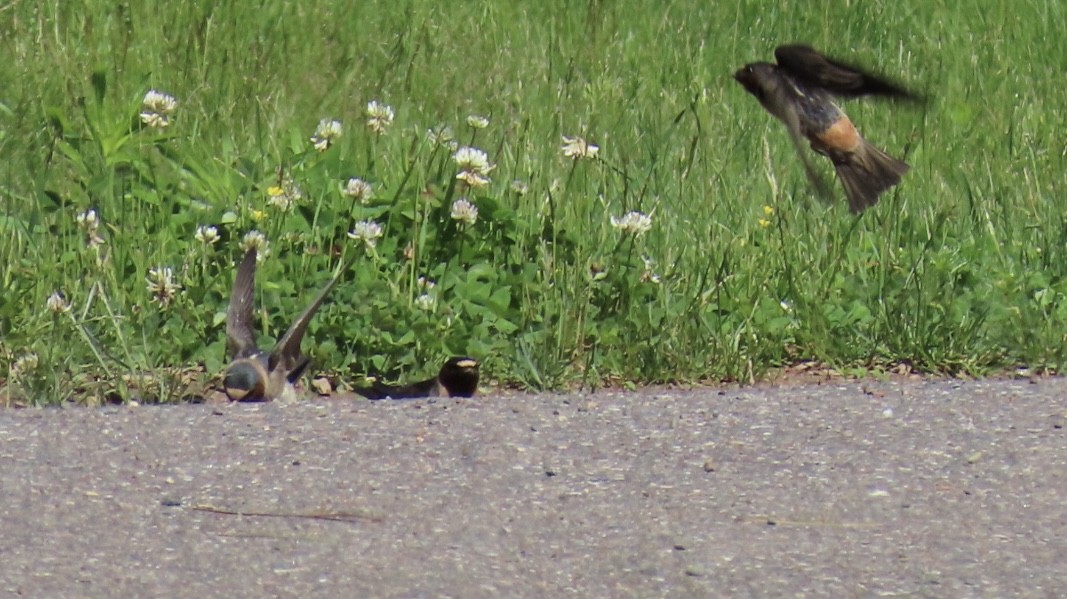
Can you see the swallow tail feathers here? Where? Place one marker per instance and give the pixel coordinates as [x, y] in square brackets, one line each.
[866, 173]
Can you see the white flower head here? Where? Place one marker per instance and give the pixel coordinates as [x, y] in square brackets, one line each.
[90, 226]
[633, 222]
[464, 212]
[57, 304]
[284, 195]
[442, 136]
[425, 302]
[359, 190]
[576, 147]
[255, 239]
[326, 133]
[649, 275]
[425, 284]
[279, 200]
[159, 102]
[155, 120]
[157, 108]
[162, 286]
[473, 179]
[472, 159]
[478, 122]
[474, 166]
[88, 220]
[379, 116]
[24, 364]
[366, 231]
[520, 187]
[206, 235]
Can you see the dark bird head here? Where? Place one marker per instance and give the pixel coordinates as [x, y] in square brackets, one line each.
[459, 376]
[245, 380]
[756, 78]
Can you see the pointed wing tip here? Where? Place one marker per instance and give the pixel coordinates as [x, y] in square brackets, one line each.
[287, 350]
[839, 77]
[240, 336]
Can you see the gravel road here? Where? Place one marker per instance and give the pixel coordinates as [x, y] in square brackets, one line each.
[846, 489]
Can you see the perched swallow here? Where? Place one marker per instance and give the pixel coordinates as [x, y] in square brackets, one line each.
[458, 378]
[255, 375]
[799, 91]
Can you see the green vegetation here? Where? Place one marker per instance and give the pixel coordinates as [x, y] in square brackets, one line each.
[960, 269]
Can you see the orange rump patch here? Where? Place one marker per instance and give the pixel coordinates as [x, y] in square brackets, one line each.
[839, 137]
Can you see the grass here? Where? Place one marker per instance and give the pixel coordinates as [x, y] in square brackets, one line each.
[961, 269]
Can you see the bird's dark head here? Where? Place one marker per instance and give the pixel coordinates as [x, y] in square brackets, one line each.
[459, 376]
[246, 380]
[755, 77]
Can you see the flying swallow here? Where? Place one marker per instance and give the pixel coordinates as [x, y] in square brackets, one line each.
[799, 91]
[256, 375]
[458, 378]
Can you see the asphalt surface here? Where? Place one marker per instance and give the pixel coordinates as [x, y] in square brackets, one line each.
[851, 489]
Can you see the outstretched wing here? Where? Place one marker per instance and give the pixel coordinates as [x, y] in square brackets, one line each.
[286, 354]
[240, 338]
[839, 78]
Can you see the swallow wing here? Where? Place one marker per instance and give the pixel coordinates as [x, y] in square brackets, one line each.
[839, 78]
[286, 354]
[240, 338]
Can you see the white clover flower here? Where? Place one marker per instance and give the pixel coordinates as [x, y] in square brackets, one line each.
[442, 136]
[649, 275]
[576, 147]
[379, 116]
[472, 159]
[326, 133]
[156, 109]
[57, 304]
[206, 235]
[477, 121]
[90, 226]
[162, 286]
[473, 179]
[24, 364]
[255, 239]
[425, 302]
[154, 120]
[474, 167]
[359, 190]
[284, 195]
[520, 187]
[159, 102]
[88, 220]
[366, 231]
[633, 222]
[425, 284]
[464, 212]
